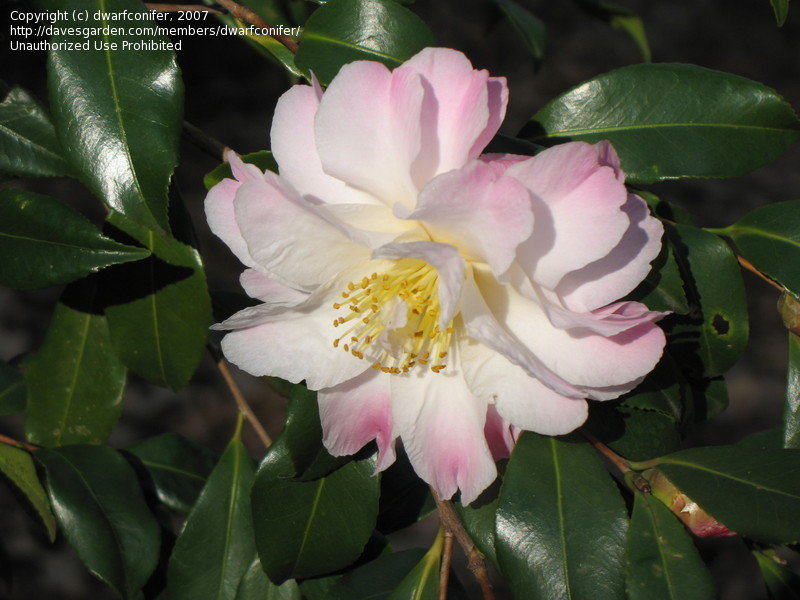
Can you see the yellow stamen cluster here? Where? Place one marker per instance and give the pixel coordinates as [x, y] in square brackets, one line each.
[420, 341]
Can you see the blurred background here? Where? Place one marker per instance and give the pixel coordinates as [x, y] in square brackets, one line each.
[231, 92]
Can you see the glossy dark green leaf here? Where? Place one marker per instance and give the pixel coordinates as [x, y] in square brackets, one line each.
[102, 513]
[216, 546]
[634, 433]
[342, 31]
[405, 498]
[118, 109]
[781, 9]
[673, 120]
[619, 17]
[422, 583]
[178, 468]
[44, 242]
[17, 465]
[791, 411]
[262, 159]
[662, 289]
[769, 237]
[661, 560]
[529, 27]
[158, 310]
[256, 586]
[302, 527]
[479, 520]
[711, 338]
[377, 579]
[662, 391]
[28, 143]
[12, 390]
[764, 483]
[75, 382]
[782, 583]
[561, 523]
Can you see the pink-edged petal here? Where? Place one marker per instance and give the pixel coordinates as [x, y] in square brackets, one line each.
[519, 399]
[608, 320]
[622, 269]
[295, 150]
[462, 110]
[482, 326]
[375, 224]
[288, 239]
[502, 160]
[441, 424]
[367, 129]
[222, 219]
[449, 265]
[485, 215]
[578, 218]
[356, 412]
[580, 356]
[241, 170]
[259, 286]
[499, 433]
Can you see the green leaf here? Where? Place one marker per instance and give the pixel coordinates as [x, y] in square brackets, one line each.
[663, 289]
[633, 433]
[561, 522]
[711, 338]
[673, 120]
[791, 411]
[764, 483]
[342, 31]
[709, 397]
[619, 17]
[177, 467]
[256, 586]
[769, 237]
[75, 382]
[117, 110]
[661, 560]
[28, 143]
[12, 390]
[158, 310]
[262, 159]
[377, 579]
[423, 581]
[102, 513]
[216, 546]
[301, 527]
[781, 9]
[662, 391]
[17, 465]
[44, 242]
[479, 520]
[405, 498]
[529, 27]
[781, 582]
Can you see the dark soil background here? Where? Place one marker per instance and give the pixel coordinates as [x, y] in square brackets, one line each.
[231, 93]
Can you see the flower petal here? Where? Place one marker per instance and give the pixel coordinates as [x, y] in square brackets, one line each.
[578, 218]
[622, 269]
[295, 150]
[222, 219]
[461, 112]
[519, 398]
[608, 320]
[257, 285]
[485, 215]
[288, 239]
[356, 412]
[449, 266]
[499, 433]
[367, 129]
[441, 424]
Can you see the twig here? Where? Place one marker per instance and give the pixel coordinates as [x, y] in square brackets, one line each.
[447, 559]
[245, 14]
[749, 266]
[12, 442]
[475, 562]
[615, 458]
[181, 8]
[202, 140]
[242, 403]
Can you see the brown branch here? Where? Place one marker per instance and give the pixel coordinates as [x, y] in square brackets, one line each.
[749, 266]
[447, 559]
[181, 8]
[242, 403]
[245, 14]
[203, 141]
[475, 562]
[612, 456]
[12, 442]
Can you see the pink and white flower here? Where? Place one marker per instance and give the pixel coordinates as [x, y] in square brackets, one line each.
[431, 293]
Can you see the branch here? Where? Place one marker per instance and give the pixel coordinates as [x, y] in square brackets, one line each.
[475, 562]
[244, 408]
[749, 266]
[12, 442]
[205, 142]
[447, 559]
[619, 462]
[181, 8]
[245, 14]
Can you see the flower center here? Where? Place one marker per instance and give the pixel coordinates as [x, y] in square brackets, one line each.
[394, 317]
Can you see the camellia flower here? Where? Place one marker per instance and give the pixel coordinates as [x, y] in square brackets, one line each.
[431, 293]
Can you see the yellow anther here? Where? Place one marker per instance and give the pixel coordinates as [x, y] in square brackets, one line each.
[336, 343]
